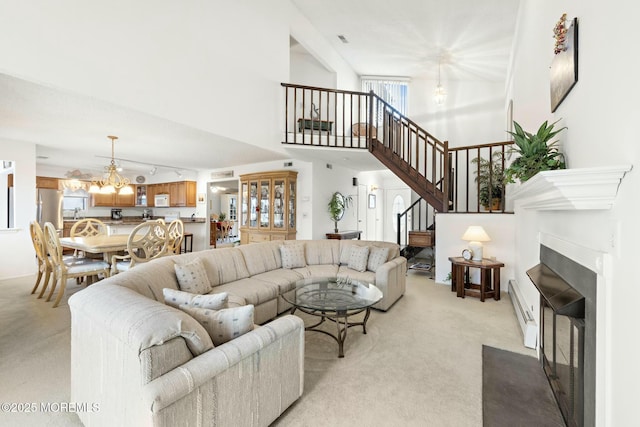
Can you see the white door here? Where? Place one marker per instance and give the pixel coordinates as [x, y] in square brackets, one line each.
[362, 211]
[396, 201]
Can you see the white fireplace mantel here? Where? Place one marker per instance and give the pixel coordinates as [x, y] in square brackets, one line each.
[570, 189]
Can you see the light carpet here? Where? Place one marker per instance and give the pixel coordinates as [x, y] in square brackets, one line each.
[419, 364]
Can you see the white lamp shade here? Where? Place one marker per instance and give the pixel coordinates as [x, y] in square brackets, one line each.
[476, 233]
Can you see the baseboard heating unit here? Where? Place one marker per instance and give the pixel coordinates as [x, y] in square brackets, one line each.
[525, 318]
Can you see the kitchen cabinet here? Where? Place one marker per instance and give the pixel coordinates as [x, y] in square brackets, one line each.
[113, 200]
[47, 182]
[181, 194]
[268, 206]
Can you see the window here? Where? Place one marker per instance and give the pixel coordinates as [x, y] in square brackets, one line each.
[70, 203]
[393, 91]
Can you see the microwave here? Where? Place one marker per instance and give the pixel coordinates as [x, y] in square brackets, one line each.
[161, 200]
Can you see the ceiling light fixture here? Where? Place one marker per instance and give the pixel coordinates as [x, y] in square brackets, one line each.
[111, 180]
[440, 95]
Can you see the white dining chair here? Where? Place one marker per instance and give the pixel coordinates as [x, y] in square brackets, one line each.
[176, 235]
[65, 269]
[44, 263]
[146, 241]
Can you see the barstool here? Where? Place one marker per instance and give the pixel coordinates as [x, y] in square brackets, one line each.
[186, 248]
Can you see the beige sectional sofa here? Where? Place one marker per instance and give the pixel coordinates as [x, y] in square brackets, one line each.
[146, 363]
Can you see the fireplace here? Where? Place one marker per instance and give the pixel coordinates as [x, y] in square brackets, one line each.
[567, 330]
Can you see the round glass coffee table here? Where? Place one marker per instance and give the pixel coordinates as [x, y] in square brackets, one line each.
[334, 300]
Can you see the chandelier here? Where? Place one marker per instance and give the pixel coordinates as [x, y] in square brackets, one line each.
[111, 180]
[440, 95]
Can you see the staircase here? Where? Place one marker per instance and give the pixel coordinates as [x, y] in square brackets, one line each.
[444, 178]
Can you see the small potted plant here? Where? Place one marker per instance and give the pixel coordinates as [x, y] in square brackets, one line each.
[490, 177]
[337, 205]
[536, 152]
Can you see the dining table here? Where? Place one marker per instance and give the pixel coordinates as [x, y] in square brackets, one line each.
[107, 245]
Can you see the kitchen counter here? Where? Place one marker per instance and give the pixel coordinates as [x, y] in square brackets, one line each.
[134, 220]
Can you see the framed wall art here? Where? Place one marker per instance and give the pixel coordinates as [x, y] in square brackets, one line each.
[564, 67]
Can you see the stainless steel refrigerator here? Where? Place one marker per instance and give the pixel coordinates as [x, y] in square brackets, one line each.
[49, 207]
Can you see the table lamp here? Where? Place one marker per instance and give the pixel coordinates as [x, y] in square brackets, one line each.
[475, 234]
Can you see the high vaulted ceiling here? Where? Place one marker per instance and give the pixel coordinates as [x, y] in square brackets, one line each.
[408, 38]
[471, 38]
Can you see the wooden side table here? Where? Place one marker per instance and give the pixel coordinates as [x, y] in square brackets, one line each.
[345, 235]
[489, 286]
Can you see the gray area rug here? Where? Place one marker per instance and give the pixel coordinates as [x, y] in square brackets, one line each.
[515, 391]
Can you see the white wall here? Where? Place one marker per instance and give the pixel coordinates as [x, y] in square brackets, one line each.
[325, 183]
[473, 112]
[306, 70]
[16, 249]
[601, 115]
[449, 243]
[197, 64]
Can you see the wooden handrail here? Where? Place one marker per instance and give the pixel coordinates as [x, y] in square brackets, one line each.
[442, 176]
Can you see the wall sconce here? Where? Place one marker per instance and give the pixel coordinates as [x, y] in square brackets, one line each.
[475, 235]
[179, 173]
[373, 188]
[153, 171]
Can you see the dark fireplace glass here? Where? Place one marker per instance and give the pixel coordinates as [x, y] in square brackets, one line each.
[563, 359]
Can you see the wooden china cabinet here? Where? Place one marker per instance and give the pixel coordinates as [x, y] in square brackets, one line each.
[268, 206]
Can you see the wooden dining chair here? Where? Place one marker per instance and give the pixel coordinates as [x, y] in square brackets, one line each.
[44, 263]
[176, 235]
[65, 269]
[146, 241]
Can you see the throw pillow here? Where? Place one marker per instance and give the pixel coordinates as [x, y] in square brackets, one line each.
[293, 255]
[377, 257]
[223, 325]
[176, 298]
[358, 258]
[192, 277]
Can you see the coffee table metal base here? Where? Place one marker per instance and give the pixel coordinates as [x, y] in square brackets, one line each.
[341, 319]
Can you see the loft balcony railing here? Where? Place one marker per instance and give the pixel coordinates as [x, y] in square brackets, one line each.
[444, 177]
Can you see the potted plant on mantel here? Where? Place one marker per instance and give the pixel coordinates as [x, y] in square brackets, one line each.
[490, 179]
[337, 205]
[536, 153]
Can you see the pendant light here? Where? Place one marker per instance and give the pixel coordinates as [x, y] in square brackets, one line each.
[111, 180]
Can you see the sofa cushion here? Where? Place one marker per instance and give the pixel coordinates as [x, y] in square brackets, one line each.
[346, 245]
[253, 291]
[358, 258]
[293, 255]
[366, 276]
[176, 298]
[192, 277]
[261, 258]
[284, 278]
[377, 257]
[320, 252]
[223, 325]
[317, 271]
[140, 321]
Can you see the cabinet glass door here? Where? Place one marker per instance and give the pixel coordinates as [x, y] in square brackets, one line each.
[278, 203]
[292, 205]
[253, 204]
[264, 204]
[244, 208]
